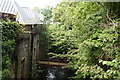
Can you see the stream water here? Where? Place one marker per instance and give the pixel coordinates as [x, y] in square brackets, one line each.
[59, 73]
[56, 73]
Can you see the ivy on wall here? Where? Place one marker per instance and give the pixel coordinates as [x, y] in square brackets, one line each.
[10, 32]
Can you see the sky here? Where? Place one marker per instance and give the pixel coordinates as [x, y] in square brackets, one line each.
[37, 3]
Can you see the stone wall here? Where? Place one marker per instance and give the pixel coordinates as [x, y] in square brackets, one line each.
[23, 51]
[36, 48]
[28, 52]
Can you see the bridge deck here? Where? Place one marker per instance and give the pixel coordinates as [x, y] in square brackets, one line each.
[51, 63]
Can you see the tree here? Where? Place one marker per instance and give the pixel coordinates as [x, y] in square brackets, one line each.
[88, 37]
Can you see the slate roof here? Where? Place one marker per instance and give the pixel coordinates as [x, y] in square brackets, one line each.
[24, 15]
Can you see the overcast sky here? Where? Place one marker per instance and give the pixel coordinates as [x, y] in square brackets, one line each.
[37, 3]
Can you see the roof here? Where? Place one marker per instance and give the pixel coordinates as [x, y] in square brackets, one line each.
[24, 15]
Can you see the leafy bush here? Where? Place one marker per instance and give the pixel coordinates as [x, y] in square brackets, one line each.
[10, 32]
[88, 37]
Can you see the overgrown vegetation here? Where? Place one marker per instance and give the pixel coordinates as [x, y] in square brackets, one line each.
[10, 32]
[87, 34]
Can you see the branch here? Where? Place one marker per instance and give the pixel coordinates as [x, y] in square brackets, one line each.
[110, 19]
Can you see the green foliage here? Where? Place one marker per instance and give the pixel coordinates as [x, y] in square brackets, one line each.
[113, 8]
[10, 32]
[5, 73]
[47, 13]
[86, 35]
[39, 71]
[114, 70]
